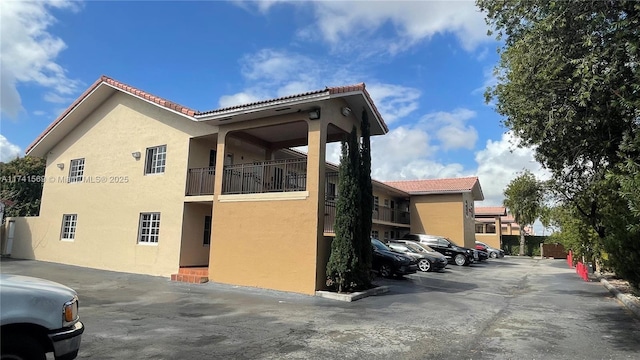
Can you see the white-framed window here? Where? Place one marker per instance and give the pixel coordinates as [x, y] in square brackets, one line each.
[375, 234]
[376, 202]
[76, 170]
[69, 222]
[149, 229]
[207, 231]
[156, 160]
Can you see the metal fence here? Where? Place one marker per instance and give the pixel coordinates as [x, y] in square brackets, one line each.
[200, 181]
[266, 176]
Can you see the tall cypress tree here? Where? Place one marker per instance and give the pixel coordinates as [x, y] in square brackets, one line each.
[343, 268]
[366, 207]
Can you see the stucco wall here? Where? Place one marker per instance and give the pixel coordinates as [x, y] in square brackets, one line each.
[469, 221]
[492, 240]
[438, 215]
[115, 190]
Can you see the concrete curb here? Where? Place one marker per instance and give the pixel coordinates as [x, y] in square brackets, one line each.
[628, 301]
[353, 296]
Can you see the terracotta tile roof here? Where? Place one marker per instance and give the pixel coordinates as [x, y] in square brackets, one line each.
[491, 210]
[190, 112]
[454, 185]
[508, 219]
[145, 95]
[330, 90]
[122, 86]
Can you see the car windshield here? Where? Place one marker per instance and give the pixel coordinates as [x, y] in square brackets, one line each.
[426, 247]
[452, 242]
[379, 245]
[416, 248]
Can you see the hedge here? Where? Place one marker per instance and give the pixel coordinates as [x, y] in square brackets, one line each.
[511, 244]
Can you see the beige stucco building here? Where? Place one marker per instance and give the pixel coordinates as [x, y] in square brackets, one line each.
[136, 183]
[489, 226]
[443, 207]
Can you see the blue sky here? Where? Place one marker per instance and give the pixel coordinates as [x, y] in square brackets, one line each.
[425, 63]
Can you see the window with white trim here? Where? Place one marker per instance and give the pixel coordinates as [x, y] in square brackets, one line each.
[69, 222]
[76, 170]
[149, 229]
[156, 160]
[375, 234]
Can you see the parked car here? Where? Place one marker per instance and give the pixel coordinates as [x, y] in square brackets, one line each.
[459, 255]
[428, 260]
[38, 316]
[387, 262]
[482, 252]
[482, 255]
[493, 252]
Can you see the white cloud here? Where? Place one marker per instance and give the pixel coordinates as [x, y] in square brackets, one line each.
[394, 101]
[451, 129]
[405, 153]
[353, 26]
[500, 162]
[8, 151]
[490, 80]
[39, 113]
[29, 52]
[237, 99]
[273, 73]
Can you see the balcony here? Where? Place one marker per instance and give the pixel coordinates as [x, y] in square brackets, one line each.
[382, 214]
[264, 177]
[200, 181]
[387, 214]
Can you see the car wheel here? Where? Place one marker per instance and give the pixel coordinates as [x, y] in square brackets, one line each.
[385, 270]
[460, 260]
[22, 347]
[494, 254]
[424, 265]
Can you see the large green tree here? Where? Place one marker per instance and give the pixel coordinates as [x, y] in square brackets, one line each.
[21, 186]
[568, 84]
[523, 199]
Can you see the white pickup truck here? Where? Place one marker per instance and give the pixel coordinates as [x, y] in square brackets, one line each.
[38, 316]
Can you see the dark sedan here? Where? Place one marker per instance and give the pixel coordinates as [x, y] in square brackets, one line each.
[427, 261]
[387, 262]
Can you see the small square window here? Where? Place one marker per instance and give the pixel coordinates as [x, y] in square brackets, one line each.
[156, 160]
[149, 229]
[76, 170]
[69, 222]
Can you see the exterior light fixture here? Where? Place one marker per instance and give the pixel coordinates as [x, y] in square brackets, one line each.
[314, 114]
[60, 166]
[346, 111]
[136, 155]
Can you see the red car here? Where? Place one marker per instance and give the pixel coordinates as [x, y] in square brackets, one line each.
[493, 253]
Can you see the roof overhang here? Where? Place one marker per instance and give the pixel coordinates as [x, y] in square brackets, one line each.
[295, 104]
[476, 192]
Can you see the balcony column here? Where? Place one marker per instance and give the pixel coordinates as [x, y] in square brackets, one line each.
[220, 157]
[316, 168]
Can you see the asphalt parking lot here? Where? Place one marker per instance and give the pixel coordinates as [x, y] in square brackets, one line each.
[511, 308]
